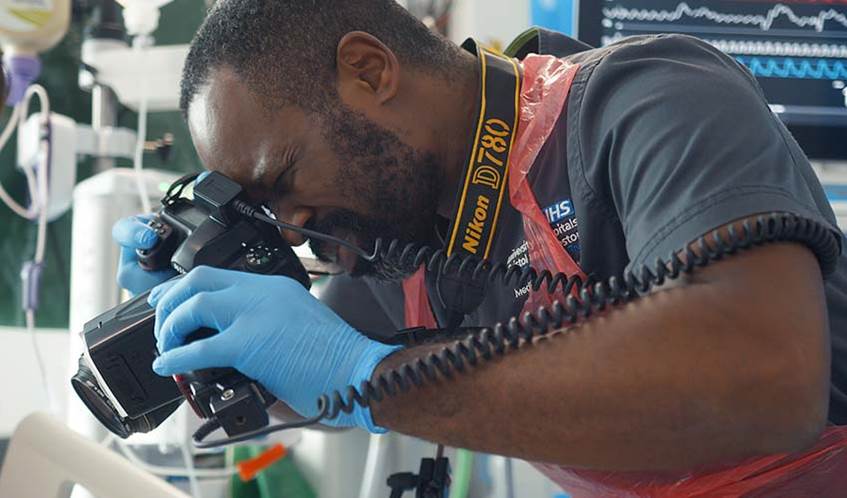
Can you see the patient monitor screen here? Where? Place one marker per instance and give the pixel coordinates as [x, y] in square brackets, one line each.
[797, 49]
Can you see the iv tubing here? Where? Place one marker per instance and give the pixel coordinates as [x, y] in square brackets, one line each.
[28, 213]
[140, 44]
[43, 173]
[31, 180]
[41, 199]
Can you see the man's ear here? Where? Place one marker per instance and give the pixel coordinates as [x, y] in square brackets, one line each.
[368, 71]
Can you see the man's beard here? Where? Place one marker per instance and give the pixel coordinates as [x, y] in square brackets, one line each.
[396, 185]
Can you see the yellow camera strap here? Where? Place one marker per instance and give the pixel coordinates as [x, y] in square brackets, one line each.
[487, 171]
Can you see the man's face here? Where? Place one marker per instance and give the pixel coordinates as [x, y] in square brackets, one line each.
[335, 172]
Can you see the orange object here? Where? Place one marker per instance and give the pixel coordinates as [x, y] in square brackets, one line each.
[249, 469]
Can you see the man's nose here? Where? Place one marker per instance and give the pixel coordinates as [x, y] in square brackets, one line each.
[297, 217]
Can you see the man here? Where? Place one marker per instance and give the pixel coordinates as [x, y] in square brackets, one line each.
[356, 121]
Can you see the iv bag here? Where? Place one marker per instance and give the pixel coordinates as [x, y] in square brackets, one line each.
[28, 27]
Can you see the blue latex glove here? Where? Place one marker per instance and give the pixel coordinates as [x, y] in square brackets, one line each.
[133, 233]
[272, 330]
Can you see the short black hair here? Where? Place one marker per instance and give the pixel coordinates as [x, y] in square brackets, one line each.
[285, 50]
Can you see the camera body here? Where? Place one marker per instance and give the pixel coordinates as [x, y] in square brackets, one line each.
[116, 380]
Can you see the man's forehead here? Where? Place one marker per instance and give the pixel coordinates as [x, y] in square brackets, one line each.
[228, 127]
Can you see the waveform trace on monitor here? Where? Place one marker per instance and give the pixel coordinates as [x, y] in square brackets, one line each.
[780, 48]
[763, 21]
[767, 67]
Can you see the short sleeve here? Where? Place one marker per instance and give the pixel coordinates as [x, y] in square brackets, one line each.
[679, 140]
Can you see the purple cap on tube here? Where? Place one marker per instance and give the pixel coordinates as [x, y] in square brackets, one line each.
[21, 71]
[31, 285]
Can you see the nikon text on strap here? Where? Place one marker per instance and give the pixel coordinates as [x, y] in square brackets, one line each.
[486, 176]
[488, 163]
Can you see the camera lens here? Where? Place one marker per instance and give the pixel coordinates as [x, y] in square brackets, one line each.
[150, 421]
[89, 391]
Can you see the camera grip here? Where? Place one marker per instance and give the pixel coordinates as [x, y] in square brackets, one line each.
[159, 256]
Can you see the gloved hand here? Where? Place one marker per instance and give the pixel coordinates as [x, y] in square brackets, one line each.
[272, 330]
[133, 233]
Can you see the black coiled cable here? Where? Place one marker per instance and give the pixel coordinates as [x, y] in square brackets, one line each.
[476, 269]
[582, 300]
[589, 298]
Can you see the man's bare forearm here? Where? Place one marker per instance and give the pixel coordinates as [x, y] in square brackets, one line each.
[728, 365]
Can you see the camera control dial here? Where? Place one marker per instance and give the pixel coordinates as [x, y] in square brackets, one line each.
[259, 259]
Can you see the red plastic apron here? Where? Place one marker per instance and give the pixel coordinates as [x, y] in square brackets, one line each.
[818, 472]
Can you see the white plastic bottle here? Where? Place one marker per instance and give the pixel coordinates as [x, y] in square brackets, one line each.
[141, 17]
[28, 27]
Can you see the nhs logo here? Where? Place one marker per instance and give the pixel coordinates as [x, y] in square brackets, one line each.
[559, 211]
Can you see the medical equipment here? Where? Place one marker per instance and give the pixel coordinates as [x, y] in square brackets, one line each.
[34, 26]
[49, 146]
[27, 28]
[141, 17]
[795, 50]
[115, 380]
[123, 72]
[37, 173]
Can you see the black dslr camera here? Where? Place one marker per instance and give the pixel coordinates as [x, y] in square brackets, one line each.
[115, 378]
